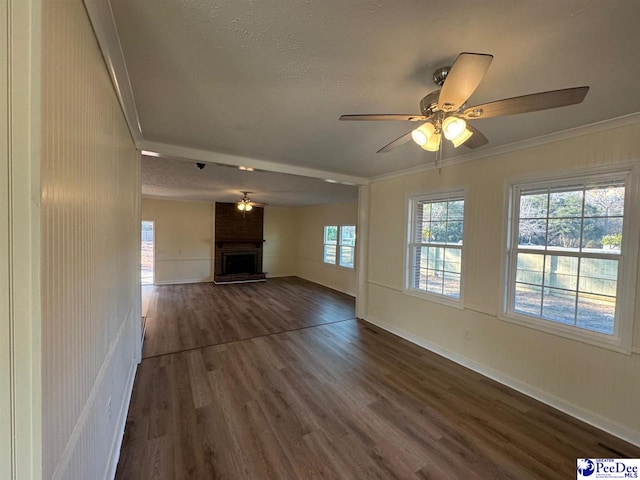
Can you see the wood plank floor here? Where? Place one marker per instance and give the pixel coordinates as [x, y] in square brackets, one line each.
[343, 400]
[202, 314]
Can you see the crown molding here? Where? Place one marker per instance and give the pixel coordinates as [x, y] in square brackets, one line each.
[193, 154]
[106, 32]
[589, 129]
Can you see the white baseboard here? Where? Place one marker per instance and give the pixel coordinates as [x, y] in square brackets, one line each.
[280, 275]
[181, 282]
[110, 474]
[575, 411]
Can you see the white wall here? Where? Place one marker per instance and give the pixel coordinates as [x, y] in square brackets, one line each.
[20, 365]
[183, 240]
[311, 222]
[280, 255]
[90, 252]
[593, 383]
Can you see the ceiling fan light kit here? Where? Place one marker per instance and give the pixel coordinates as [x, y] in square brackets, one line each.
[246, 204]
[444, 111]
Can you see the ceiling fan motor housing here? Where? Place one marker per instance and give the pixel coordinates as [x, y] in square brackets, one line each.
[429, 104]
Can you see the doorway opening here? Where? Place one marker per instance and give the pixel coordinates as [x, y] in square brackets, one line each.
[147, 249]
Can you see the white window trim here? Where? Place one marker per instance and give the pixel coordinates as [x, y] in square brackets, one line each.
[407, 288]
[324, 244]
[340, 244]
[621, 340]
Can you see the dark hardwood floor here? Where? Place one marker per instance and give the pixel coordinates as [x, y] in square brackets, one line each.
[342, 400]
[202, 314]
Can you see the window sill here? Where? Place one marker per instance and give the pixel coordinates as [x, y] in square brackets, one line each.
[576, 334]
[421, 294]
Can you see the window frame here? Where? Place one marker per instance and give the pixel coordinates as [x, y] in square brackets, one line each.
[621, 339]
[409, 250]
[342, 245]
[325, 244]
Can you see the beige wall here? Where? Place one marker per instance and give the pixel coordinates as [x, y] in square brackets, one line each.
[311, 222]
[593, 383]
[90, 252]
[281, 242]
[293, 241]
[183, 240]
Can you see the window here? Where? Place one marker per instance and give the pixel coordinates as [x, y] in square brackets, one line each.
[347, 245]
[567, 240]
[435, 245]
[330, 242]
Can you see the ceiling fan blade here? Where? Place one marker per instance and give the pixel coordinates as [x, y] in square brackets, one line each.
[462, 80]
[528, 103]
[477, 139]
[391, 116]
[396, 143]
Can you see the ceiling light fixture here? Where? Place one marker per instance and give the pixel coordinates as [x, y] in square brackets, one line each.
[453, 127]
[245, 169]
[423, 133]
[149, 153]
[429, 134]
[245, 204]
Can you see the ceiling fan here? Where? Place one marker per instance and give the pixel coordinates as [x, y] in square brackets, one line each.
[444, 111]
[246, 204]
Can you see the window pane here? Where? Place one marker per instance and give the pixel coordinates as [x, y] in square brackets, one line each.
[599, 276]
[528, 299]
[602, 234]
[564, 233]
[348, 235]
[604, 201]
[529, 268]
[596, 313]
[420, 268]
[565, 204]
[561, 272]
[573, 288]
[438, 232]
[436, 258]
[559, 306]
[331, 234]
[346, 256]
[454, 232]
[451, 284]
[424, 234]
[330, 254]
[423, 212]
[434, 281]
[533, 205]
[437, 223]
[532, 233]
[456, 210]
[452, 258]
[438, 211]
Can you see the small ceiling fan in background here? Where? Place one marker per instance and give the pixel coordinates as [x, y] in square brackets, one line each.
[246, 204]
[444, 111]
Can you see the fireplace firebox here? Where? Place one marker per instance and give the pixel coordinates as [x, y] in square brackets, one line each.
[239, 262]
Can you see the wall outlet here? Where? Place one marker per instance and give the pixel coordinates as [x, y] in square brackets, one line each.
[467, 334]
[109, 409]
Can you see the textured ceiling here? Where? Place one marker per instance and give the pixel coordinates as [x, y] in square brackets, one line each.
[268, 80]
[183, 180]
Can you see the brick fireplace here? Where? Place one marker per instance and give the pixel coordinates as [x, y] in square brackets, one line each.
[238, 244]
